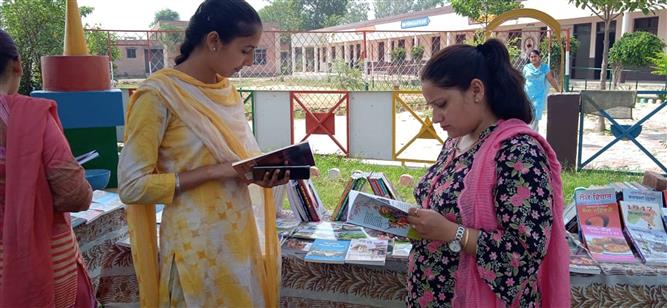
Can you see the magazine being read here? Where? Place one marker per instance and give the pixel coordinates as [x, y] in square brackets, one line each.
[380, 213]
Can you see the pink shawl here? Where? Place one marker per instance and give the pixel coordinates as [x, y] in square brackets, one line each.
[477, 207]
[27, 280]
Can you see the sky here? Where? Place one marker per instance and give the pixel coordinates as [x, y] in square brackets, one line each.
[138, 14]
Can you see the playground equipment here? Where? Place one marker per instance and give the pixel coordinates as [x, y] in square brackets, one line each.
[81, 85]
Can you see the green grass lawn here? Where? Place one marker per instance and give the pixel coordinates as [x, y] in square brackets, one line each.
[330, 191]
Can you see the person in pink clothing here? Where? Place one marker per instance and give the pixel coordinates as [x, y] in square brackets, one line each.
[490, 215]
[40, 183]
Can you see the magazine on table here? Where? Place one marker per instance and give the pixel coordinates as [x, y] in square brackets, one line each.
[382, 214]
[644, 227]
[296, 246]
[297, 155]
[327, 251]
[103, 202]
[400, 250]
[367, 252]
[600, 226]
[580, 259]
[329, 231]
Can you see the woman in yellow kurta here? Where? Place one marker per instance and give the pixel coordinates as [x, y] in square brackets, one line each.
[185, 126]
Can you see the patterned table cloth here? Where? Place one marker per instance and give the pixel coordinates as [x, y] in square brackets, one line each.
[332, 285]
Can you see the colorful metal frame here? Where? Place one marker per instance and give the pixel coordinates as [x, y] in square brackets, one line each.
[625, 133]
[345, 98]
[427, 127]
[249, 96]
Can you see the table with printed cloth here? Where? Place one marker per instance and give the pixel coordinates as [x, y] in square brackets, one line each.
[307, 284]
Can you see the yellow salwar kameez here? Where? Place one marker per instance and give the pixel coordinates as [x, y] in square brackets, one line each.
[213, 251]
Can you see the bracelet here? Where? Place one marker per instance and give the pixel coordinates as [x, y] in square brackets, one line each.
[465, 239]
[178, 182]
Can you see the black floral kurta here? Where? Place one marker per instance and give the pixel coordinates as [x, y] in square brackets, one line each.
[507, 258]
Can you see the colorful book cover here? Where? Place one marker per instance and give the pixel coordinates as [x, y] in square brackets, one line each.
[381, 214]
[328, 251]
[367, 251]
[643, 225]
[600, 226]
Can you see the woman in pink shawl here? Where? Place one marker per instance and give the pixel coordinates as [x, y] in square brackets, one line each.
[491, 206]
[40, 182]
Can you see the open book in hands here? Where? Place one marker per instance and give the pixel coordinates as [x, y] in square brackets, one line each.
[84, 158]
[296, 158]
[382, 214]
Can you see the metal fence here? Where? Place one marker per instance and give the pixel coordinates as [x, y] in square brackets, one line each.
[321, 61]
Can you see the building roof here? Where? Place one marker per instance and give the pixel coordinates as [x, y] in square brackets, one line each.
[362, 24]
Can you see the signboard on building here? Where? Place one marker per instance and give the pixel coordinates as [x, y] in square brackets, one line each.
[415, 22]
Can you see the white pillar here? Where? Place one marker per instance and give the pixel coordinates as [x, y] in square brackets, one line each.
[627, 23]
[293, 66]
[304, 60]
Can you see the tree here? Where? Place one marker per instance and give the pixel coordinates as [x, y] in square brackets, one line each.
[634, 50]
[283, 13]
[165, 15]
[385, 8]
[316, 14]
[483, 11]
[608, 11]
[356, 11]
[31, 25]
[553, 48]
[660, 64]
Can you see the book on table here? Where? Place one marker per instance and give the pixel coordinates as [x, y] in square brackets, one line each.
[600, 226]
[580, 259]
[382, 214]
[304, 201]
[296, 157]
[103, 202]
[328, 231]
[644, 227]
[367, 252]
[378, 182]
[400, 249]
[327, 251]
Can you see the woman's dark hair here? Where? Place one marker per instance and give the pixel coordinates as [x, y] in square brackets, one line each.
[536, 52]
[229, 18]
[456, 66]
[8, 51]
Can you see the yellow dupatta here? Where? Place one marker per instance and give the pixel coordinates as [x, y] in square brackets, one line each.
[192, 104]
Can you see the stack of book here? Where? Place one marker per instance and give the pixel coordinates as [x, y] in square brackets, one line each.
[380, 185]
[304, 201]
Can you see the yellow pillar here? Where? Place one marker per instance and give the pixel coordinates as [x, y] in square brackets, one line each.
[75, 42]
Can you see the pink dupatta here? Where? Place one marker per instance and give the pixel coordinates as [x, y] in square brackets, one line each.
[477, 208]
[27, 280]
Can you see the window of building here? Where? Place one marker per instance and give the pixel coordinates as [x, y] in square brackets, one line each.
[460, 38]
[131, 53]
[648, 24]
[435, 44]
[333, 53]
[381, 52]
[324, 54]
[401, 43]
[358, 52]
[260, 57]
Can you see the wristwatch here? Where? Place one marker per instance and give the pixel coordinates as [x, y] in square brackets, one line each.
[455, 245]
